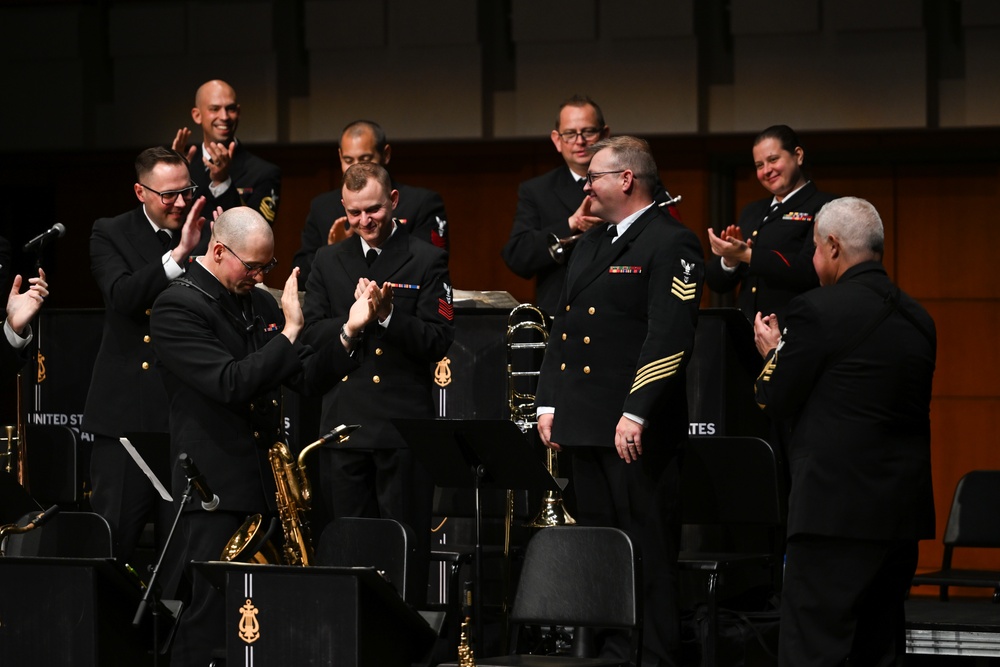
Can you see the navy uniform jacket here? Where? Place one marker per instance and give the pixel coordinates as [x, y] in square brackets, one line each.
[781, 265]
[223, 384]
[623, 335]
[255, 183]
[397, 362]
[126, 392]
[544, 205]
[860, 445]
[420, 212]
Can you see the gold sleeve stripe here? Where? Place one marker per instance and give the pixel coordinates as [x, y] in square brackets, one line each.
[682, 290]
[657, 370]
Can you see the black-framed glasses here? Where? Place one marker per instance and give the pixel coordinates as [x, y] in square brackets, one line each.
[594, 175]
[168, 197]
[253, 271]
[588, 134]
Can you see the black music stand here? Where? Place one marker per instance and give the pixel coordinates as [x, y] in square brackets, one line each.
[477, 454]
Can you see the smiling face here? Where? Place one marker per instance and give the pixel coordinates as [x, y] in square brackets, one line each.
[217, 112]
[577, 119]
[165, 177]
[778, 170]
[369, 211]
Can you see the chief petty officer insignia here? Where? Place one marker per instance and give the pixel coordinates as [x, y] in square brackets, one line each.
[683, 287]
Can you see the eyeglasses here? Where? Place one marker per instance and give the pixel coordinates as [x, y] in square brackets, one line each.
[594, 175]
[170, 196]
[254, 271]
[588, 134]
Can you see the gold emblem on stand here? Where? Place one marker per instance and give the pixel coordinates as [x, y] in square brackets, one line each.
[249, 627]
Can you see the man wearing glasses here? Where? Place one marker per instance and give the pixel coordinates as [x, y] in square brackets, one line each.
[133, 258]
[226, 172]
[554, 203]
[226, 349]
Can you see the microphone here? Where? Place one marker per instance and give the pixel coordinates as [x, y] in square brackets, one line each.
[209, 501]
[56, 231]
[42, 518]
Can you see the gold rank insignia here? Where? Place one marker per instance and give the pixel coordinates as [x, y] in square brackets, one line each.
[657, 370]
[682, 290]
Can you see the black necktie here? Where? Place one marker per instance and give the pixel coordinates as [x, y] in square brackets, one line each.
[164, 238]
[371, 256]
[774, 208]
[611, 233]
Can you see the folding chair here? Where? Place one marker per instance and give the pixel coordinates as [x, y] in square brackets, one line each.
[384, 544]
[66, 535]
[972, 522]
[579, 577]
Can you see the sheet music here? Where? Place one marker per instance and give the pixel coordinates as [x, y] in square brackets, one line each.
[141, 462]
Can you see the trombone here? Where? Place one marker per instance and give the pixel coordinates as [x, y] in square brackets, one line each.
[521, 406]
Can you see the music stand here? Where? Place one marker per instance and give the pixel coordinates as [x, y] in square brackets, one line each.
[151, 452]
[477, 454]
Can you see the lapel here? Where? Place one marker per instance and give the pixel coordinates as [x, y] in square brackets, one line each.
[200, 276]
[142, 238]
[567, 190]
[395, 253]
[599, 255]
[353, 259]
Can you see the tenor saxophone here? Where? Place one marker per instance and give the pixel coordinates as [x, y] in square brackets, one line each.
[294, 497]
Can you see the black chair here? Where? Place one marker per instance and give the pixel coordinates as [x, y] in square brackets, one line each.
[384, 544]
[66, 535]
[731, 482]
[972, 522]
[52, 465]
[582, 578]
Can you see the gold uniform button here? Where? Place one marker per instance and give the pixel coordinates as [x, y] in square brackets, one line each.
[586, 340]
[754, 234]
[753, 290]
[567, 307]
[586, 370]
[562, 367]
[145, 365]
[343, 379]
[564, 336]
[378, 352]
[256, 434]
[376, 379]
[591, 310]
[251, 407]
[145, 339]
[274, 402]
[149, 311]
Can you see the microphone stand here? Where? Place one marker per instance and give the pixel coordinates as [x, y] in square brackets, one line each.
[150, 594]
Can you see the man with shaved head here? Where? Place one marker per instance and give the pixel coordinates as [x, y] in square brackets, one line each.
[225, 349]
[224, 170]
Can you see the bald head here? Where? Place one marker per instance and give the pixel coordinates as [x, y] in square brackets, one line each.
[216, 111]
[241, 251]
[242, 227]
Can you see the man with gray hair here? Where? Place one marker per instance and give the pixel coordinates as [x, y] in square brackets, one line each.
[612, 388]
[851, 367]
[226, 349]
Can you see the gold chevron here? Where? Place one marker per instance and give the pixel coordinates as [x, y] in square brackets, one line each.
[682, 290]
[657, 370]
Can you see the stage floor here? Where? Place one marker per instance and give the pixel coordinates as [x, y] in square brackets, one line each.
[961, 628]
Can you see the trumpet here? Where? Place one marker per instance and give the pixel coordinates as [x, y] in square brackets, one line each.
[294, 496]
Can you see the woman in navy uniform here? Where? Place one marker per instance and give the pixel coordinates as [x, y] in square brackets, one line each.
[768, 253]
